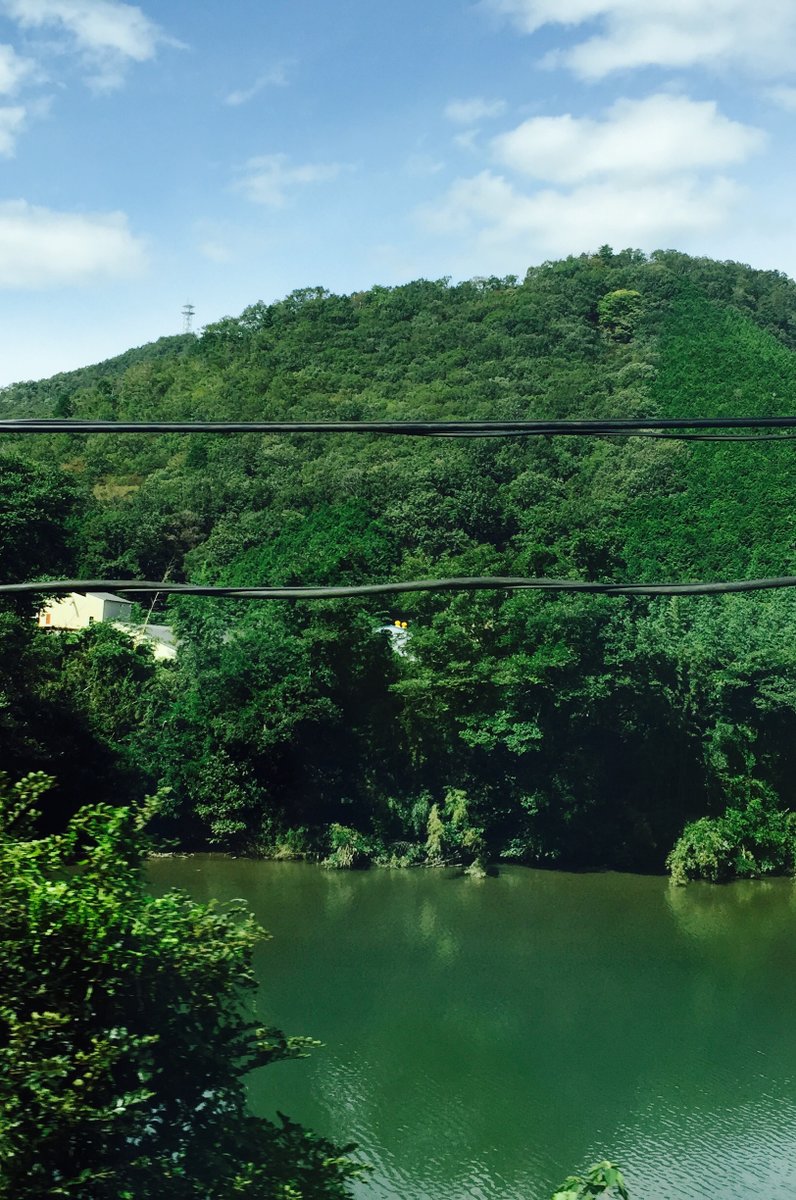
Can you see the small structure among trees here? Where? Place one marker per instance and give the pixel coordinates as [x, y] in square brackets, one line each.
[79, 609]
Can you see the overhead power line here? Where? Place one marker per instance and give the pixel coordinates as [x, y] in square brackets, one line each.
[683, 429]
[465, 583]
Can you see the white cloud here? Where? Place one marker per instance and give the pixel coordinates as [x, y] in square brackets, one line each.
[420, 165]
[783, 97]
[109, 33]
[759, 38]
[637, 140]
[466, 140]
[269, 178]
[40, 248]
[275, 77]
[12, 121]
[215, 252]
[468, 112]
[644, 173]
[14, 70]
[552, 222]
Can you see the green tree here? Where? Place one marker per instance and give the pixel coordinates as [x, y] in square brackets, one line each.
[748, 841]
[36, 506]
[127, 1027]
[619, 312]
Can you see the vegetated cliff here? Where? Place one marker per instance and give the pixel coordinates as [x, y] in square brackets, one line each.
[567, 730]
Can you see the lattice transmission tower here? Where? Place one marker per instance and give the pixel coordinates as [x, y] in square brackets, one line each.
[187, 318]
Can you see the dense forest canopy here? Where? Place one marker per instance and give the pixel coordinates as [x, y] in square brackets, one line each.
[569, 730]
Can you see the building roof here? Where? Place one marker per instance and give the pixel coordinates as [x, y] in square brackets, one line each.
[108, 596]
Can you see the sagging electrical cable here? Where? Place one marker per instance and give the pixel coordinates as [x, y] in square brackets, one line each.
[681, 429]
[466, 583]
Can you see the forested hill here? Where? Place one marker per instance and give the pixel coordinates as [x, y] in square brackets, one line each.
[563, 730]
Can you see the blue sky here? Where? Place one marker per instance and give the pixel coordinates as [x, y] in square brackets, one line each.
[227, 153]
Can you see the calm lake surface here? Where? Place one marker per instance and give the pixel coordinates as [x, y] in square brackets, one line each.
[482, 1036]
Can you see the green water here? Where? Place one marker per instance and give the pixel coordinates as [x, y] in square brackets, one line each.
[484, 1038]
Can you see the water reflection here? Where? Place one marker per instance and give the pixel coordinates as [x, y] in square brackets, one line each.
[485, 1039]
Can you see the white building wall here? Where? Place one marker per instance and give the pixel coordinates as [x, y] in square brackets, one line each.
[115, 609]
[77, 610]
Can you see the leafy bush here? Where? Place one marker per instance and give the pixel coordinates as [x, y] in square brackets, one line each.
[127, 1027]
[755, 840]
[350, 849]
[292, 844]
[403, 854]
[437, 840]
[451, 835]
[603, 1179]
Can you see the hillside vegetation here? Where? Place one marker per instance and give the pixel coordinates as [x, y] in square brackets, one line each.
[560, 730]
